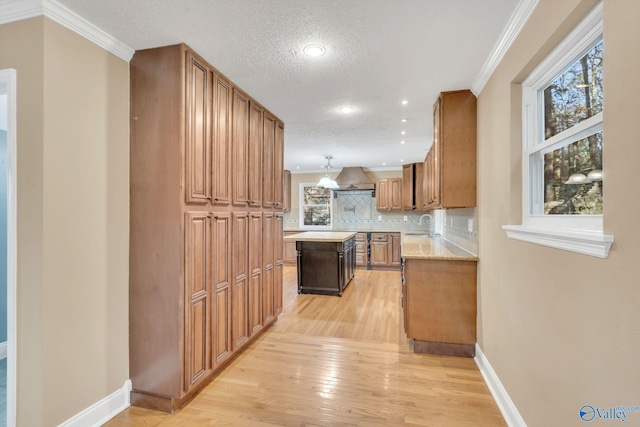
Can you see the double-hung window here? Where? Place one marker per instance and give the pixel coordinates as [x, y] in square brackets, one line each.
[563, 183]
[316, 211]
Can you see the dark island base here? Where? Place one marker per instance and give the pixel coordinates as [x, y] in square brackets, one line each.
[325, 268]
[443, 348]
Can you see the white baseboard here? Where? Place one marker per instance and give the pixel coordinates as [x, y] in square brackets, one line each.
[3, 350]
[101, 412]
[499, 393]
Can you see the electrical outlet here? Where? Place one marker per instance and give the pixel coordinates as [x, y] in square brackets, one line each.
[470, 225]
[405, 218]
[379, 218]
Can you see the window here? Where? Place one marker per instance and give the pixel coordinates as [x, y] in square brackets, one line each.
[316, 209]
[563, 184]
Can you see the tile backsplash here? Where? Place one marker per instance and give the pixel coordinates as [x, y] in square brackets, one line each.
[461, 228]
[356, 210]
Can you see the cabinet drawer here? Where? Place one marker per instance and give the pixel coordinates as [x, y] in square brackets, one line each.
[361, 237]
[379, 237]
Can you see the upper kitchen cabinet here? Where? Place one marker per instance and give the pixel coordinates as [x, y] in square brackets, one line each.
[278, 166]
[240, 148]
[412, 186]
[256, 131]
[268, 158]
[450, 166]
[222, 107]
[198, 130]
[389, 194]
[286, 183]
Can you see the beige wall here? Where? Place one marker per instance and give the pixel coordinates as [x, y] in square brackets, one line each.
[73, 210]
[561, 329]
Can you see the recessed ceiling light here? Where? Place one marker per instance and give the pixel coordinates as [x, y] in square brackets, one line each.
[403, 133]
[384, 164]
[402, 160]
[402, 142]
[314, 50]
[347, 109]
[403, 120]
[405, 102]
[297, 167]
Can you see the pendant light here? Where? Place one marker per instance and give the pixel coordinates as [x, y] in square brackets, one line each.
[326, 180]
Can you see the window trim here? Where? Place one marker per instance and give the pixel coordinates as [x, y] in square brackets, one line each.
[302, 205]
[576, 233]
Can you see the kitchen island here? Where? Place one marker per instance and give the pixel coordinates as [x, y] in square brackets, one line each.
[326, 261]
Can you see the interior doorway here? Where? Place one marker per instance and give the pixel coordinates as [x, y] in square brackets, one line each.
[8, 247]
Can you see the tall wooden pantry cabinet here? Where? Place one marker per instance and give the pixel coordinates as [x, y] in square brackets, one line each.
[205, 220]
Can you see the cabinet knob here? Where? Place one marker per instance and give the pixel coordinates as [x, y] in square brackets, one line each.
[208, 197]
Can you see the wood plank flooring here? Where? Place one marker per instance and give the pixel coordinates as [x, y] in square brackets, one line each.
[331, 361]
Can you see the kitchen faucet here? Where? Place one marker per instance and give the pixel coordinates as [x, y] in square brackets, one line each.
[430, 223]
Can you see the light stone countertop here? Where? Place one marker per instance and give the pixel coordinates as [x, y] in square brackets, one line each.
[434, 248]
[320, 236]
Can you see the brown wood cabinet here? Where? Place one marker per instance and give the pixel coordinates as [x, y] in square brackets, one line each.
[221, 257]
[286, 182]
[439, 304]
[362, 250]
[240, 148]
[384, 250]
[268, 161]
[450, 165]
[205, 252]
[278, 166]
[389, 194]
[198, 297]
[256, 131]
[408, 184]
[222, 108]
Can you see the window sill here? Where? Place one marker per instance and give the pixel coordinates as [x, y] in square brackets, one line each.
[582, 242]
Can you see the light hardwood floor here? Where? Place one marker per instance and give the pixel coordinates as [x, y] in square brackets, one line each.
[336, 361]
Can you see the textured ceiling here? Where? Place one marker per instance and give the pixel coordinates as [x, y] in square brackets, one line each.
[379, 52]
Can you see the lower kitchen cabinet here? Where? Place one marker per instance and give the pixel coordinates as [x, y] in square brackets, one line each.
[362, 250]
[439, 306]
[384, 249]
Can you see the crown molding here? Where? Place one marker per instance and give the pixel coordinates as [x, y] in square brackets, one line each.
[17, 10]
[516, 23]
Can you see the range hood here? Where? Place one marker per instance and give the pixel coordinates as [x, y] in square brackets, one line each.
[354, 178]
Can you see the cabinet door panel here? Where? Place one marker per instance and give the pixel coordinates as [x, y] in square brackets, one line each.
[277, 288]
[240, 148]
[278, 166]
[268, 257]
[221, 316]
[197, 297]
[268, 161]
[382, 195]
[239, 326]
[256, 130]
[394, 249]
[407, 187]
[222, 325]
[223, 96]
[198, 137]
[255, 268]
[395, 193]
[379, 253]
